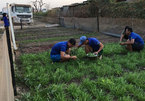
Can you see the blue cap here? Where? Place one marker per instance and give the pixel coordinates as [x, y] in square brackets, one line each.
[82, 39]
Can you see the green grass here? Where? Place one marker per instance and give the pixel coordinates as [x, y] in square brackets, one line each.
[40, 14]
[118, 76]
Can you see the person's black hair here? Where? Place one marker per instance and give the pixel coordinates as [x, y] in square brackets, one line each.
[4, 14]
[129, 28]
[125, 36]
[72, 41]
[126, 27]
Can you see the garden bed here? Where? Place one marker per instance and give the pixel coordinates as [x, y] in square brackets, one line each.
[118, 76]
[31, 39]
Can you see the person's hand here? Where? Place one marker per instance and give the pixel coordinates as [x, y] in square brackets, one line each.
[74, 57]
[122, 43]
[67, 56]
[96, 53]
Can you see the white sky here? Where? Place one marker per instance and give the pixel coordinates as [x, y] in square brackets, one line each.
[52, 3]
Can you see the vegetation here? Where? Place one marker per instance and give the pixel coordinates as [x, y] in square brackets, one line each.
[106, 8]
[111, 8]
[118, 76]
[124, 10]
[40, 14]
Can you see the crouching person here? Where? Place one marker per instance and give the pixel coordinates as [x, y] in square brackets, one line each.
[60, 51]
[92, 45]
[135, 42]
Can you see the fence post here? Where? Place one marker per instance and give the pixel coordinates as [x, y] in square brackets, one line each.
[73, 18]
[10, 49]
[21, 23]
[98, 28]
[11, 26]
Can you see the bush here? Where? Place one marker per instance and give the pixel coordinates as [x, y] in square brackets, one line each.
[41, 14]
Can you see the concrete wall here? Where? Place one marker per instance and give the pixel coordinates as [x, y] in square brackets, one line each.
[116, 25]
[88, 24]
[6, 89]
[112, 25]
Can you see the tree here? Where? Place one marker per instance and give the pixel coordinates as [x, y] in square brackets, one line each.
[93, 8]
[41, 4]
[47, 6]
[35, 5]
[38, 4]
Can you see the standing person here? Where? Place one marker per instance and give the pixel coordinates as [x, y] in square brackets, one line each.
[60, 51]
[135, 42]
[6, 22]
[123, 34]
[92, 45]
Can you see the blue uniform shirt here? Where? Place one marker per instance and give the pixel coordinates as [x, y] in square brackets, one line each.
[58, 47]
[137, 38]
[6, 21]
[94, 43]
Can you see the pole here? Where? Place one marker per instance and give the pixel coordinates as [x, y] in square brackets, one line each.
[98, 28]
[11, 59]
[98, 23]
[21, 23]
[11, 25]
[73, 18]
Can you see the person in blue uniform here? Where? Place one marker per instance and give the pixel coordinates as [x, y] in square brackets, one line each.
[6, 22]
[61, 51]
[134, 42]
[92, 45]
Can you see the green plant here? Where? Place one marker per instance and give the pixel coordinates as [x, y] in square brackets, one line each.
[118, 75]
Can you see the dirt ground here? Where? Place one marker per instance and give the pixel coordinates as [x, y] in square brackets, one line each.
[35, 38]
[41, 36]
